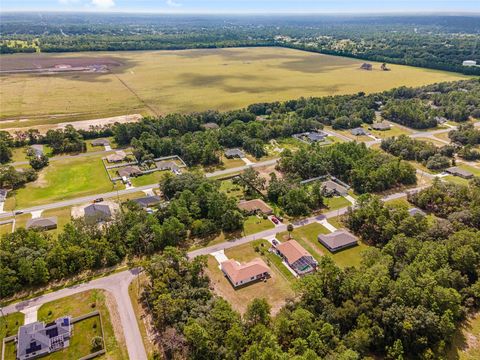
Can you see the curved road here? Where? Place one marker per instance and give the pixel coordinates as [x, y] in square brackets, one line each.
[116, 284]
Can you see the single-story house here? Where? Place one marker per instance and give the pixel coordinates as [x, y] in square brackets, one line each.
[129, 171]
[100, 142]
[414, 211]
[48, 223]
[332, 188]
[234, 153]
[456, 171]
[147, 201]
[255, 206]
[3, 194]
[366, 66]
[97, 213]
[39, 339]
[338, 240]
[210, 126]
[381, 126]
[358, 131]
[168, 165]
[242, 274]
[311, 137]
[117, 156]
[299, 259]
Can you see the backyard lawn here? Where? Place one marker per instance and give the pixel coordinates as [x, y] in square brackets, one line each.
[456, 180]
[65, 179]
[254, 224]
[336, 202]
[232, 190]
[81, 304]
[307, 237]
[148, 179]
[9, 325]
[275, 290]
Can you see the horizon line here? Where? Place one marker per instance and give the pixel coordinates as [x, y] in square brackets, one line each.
[253, 12]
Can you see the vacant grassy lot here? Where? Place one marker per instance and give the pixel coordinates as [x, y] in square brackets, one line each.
[254, 224]
[189, 80]
[80, 304]
[307, 237]
[65, 179]
[275, 290]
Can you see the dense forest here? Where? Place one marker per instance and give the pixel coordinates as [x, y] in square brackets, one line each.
[438, 42]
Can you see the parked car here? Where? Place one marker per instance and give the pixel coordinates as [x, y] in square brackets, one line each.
[18, 212]
[274, 242]
[97, 200]
[274, 220]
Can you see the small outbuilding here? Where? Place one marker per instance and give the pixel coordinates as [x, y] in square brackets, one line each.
[440, 120]
[48, 223]
[100, 142]
[234, 153]
[299, 259]
[338, 240]
[255, 206]
[366, 66]
[242, 274]
[469, 63]
[456, 171]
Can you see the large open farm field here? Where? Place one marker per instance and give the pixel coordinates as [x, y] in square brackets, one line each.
[158, 82]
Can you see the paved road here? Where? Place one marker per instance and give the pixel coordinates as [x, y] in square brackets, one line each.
[278, 229]
[113, 194]
[117, 284]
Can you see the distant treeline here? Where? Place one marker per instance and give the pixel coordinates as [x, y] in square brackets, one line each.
[435, 42]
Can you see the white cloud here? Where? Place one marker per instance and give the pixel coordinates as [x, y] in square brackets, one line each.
[173, 3]
[68, 2]
[103, 4]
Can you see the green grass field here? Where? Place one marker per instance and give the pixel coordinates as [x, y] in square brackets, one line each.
[190, 80]
[254, 224]
[65, 179]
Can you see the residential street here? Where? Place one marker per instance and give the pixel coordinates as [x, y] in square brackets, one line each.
[117, 284]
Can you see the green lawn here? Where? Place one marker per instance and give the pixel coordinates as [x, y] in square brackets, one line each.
[19, 154]
[474, 170]
[254, 224]
[307, 237]
[232, 190]
[465, 342]
[80, 304]
[336, 202]
[456, 180]
[148, 179]
[65, 179]
[9, 325]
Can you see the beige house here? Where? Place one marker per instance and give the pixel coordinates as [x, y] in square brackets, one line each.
[242, 274]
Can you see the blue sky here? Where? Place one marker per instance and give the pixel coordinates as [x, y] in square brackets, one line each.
[245, 5]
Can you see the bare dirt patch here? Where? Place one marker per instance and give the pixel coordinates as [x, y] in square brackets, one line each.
[41, 63]
[115, 318]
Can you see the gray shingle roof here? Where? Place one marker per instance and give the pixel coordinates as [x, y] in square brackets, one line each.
[234, 153]
[98, 211]
[128, 171]
[100, 142]
[332, 186]
[381, 125]
[358, 131]
[43, 223]
[454, 170]
[147, 201]
[337, 240]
